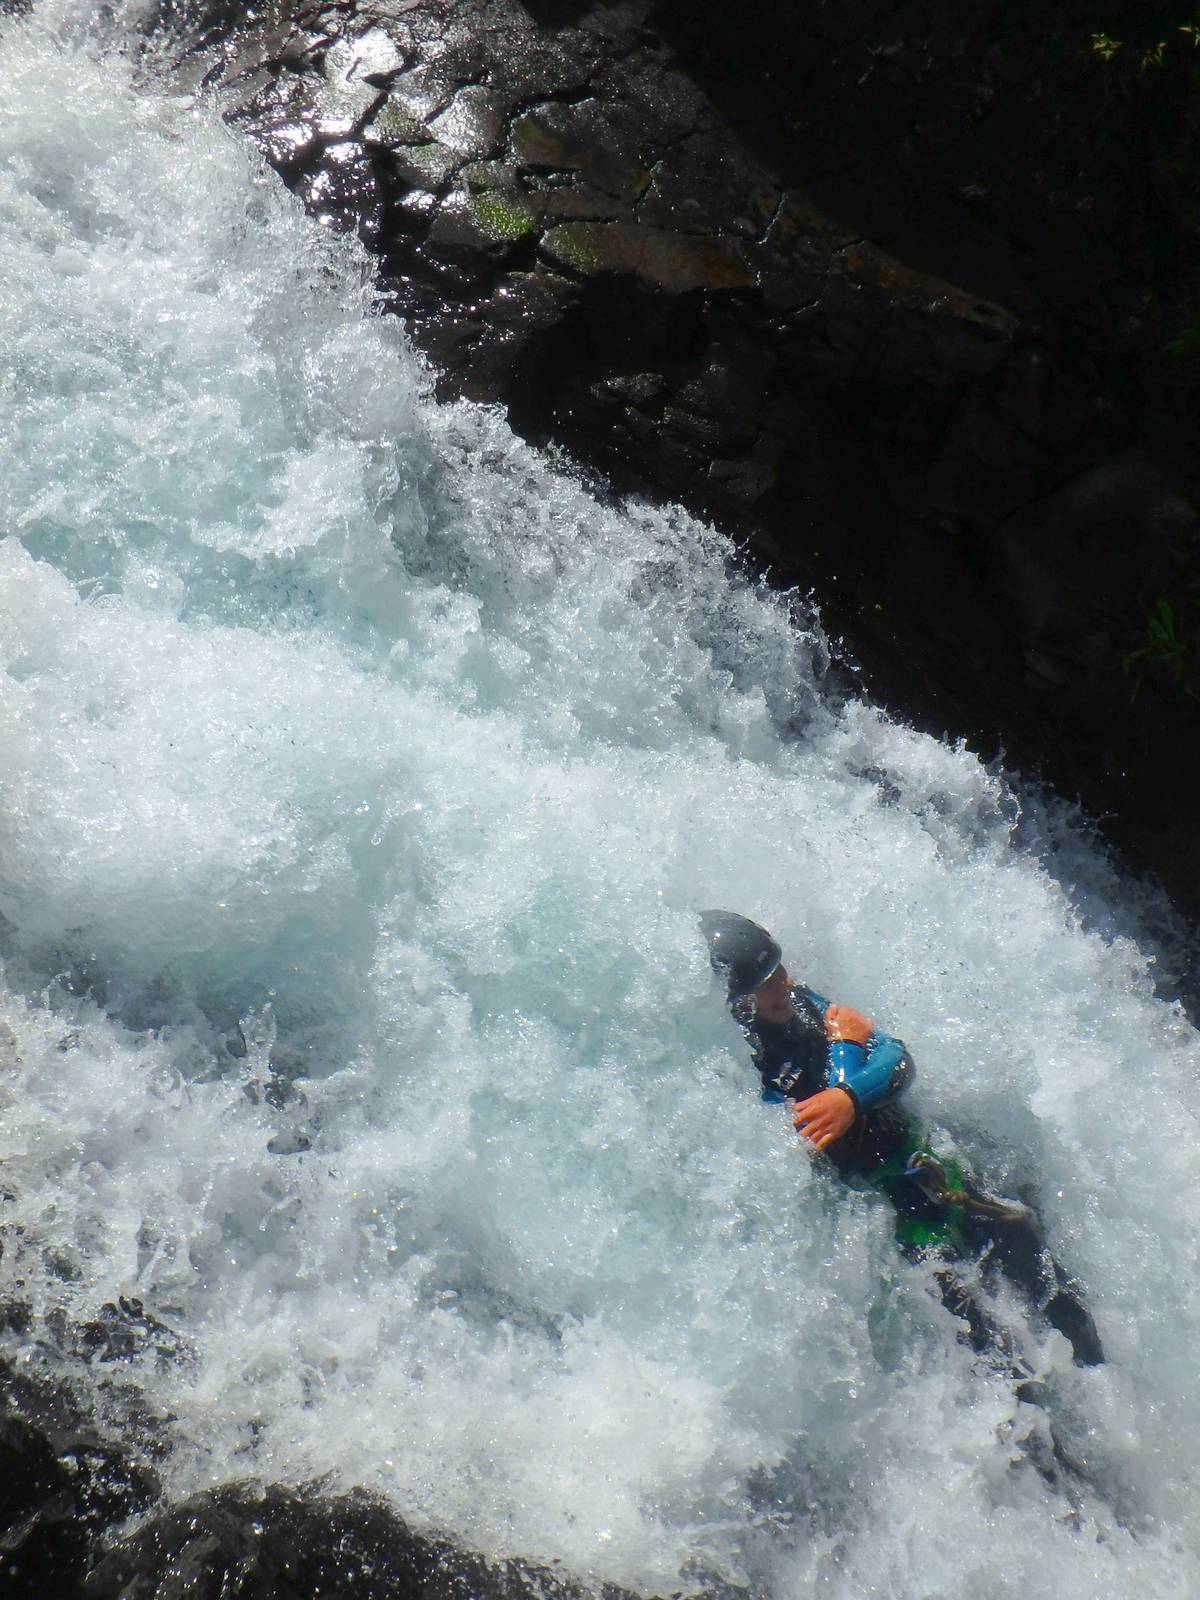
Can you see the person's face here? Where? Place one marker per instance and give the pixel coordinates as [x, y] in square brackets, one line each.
[773, 1000]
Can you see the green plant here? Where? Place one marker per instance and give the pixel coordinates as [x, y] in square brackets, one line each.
[1104, 46]
[1185, 342]
[1146, 54]
[1170, 647]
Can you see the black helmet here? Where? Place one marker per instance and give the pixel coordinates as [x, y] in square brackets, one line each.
[745, 954]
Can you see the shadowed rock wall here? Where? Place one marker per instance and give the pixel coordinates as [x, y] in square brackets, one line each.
[896, 296]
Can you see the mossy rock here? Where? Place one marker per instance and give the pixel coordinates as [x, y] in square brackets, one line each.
[670, 261]
[393, 125]
[502, 217]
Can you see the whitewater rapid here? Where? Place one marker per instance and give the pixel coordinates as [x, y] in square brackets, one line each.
[348, 742]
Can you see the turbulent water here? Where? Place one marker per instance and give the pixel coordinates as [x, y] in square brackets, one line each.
[347, 742]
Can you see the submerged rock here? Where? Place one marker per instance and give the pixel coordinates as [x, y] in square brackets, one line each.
[287, 1546]
[67, 1495]
[62, 1486]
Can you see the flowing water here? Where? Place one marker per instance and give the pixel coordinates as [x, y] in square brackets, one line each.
[348, 744]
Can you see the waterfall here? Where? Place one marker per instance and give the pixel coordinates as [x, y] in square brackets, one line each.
[362, 777]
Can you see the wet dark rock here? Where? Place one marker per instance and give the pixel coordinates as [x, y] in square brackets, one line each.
[61, 1486]
[40, 1542]
[576, 138]
[67, 1497]
[293, 1142]
[283, 1546]
[82, 1516]
[120, 1331]
[661, 258]
[471, 124]
[907, 281]
[341, 187]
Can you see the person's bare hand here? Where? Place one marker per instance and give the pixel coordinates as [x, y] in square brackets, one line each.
[824, 1116]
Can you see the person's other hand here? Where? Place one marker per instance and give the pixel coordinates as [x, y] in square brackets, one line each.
[824, 1116]
[843, 1022]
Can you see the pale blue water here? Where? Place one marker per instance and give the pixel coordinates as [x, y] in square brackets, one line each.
[347, 717]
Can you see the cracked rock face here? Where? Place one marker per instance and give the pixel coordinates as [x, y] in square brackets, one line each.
[571, 229]
[516, 181]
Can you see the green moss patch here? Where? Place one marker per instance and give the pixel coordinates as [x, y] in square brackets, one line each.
[502, 217]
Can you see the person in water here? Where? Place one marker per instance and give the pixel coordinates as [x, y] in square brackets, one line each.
[843, 1077]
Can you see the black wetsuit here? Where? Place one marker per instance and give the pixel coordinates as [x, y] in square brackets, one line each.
[797, 1059]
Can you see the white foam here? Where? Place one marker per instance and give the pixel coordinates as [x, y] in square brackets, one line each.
[346, 716]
